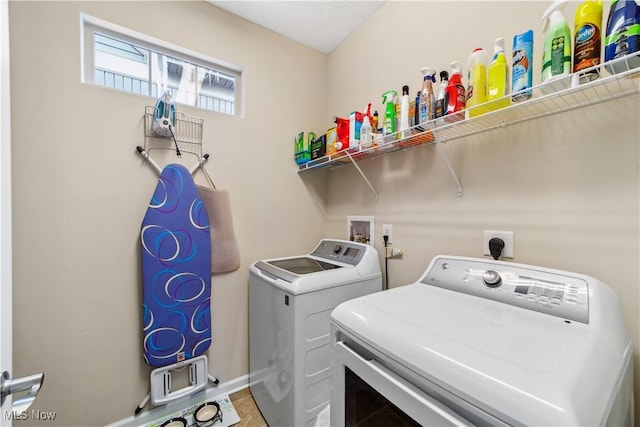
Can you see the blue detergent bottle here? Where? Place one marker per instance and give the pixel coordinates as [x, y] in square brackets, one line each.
[623, 36]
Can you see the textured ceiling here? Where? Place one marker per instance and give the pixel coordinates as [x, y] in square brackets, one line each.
[321, 25]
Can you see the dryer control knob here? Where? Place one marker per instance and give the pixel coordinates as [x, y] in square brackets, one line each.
[491, 278]
[336, 249]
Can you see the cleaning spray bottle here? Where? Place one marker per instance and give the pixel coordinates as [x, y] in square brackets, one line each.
[366, 137]
[455, 90]
[441, 98]
[477, 82]
[427, 103]
[588, 39]
[389, 112]
[556, 57]
[404, 112]
[498, 78]
[623, 35]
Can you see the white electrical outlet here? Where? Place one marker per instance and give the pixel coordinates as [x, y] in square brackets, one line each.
[506, 236]
[387, 229]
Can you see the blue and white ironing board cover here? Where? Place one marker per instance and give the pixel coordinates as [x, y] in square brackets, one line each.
[176, 271]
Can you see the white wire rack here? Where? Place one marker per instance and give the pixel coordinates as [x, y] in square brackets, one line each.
[607, 87]
[188, 130]
[187, 133]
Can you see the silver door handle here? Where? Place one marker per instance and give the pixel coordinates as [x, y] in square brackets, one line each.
[28, 387]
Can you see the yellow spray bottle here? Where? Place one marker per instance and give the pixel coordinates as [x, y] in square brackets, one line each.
[389, 112]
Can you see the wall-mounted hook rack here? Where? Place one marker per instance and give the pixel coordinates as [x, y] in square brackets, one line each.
[186, 135]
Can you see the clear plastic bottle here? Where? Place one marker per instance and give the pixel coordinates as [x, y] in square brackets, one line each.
[427, 98]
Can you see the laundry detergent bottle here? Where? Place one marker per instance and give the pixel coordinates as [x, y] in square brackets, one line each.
[556, 56]
[588, 39]
[456, 91]
[477, 83]
[623, 35]
[498, 78]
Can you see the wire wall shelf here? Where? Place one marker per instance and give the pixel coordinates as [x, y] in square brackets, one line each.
[188, 129]
[187, 132]
[609, 86]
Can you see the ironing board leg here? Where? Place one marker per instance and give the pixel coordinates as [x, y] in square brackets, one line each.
[213, 379]
[143, 404]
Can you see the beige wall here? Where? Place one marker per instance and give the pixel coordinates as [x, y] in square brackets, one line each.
[81, 192]
[568, 186]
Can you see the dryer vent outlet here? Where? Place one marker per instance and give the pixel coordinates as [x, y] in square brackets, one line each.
[507, 238]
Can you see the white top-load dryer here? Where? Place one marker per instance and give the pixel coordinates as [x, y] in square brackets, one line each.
[483, 342]
[290, 303]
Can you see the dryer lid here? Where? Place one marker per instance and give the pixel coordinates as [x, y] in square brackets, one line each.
[519, 365]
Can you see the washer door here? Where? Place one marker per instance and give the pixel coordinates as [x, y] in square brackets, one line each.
[354, 376]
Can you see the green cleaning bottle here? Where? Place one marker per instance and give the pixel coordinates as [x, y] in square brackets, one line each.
[556, 57]
[389, 112]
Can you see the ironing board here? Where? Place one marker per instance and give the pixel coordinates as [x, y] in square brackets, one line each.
[176, 271]
[176, 275]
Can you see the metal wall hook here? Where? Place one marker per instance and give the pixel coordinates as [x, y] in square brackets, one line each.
[201, 161]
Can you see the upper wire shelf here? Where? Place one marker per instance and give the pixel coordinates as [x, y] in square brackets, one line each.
[185, 137]
[187, 132]
[607, 87]
[187, 129]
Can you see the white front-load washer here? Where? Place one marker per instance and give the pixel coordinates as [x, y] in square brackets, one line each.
[290, 303]
[483, 342]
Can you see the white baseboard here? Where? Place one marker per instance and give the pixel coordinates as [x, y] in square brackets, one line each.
[232, 386]
[211, 392]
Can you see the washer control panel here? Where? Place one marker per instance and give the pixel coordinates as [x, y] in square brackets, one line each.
[336, 250]
[546, 291]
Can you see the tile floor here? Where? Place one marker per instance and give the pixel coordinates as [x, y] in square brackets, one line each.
[247, 410]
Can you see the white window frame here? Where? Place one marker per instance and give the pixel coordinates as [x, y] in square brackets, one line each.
[90, 25]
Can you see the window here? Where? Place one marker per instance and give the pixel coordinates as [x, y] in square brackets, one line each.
[120, 59]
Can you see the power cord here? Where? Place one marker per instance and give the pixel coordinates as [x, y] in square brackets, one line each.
[178, 153]
[496, 245]
[385, 238]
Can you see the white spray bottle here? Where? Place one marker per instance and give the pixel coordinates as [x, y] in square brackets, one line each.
[366, 138]
[404, 112]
